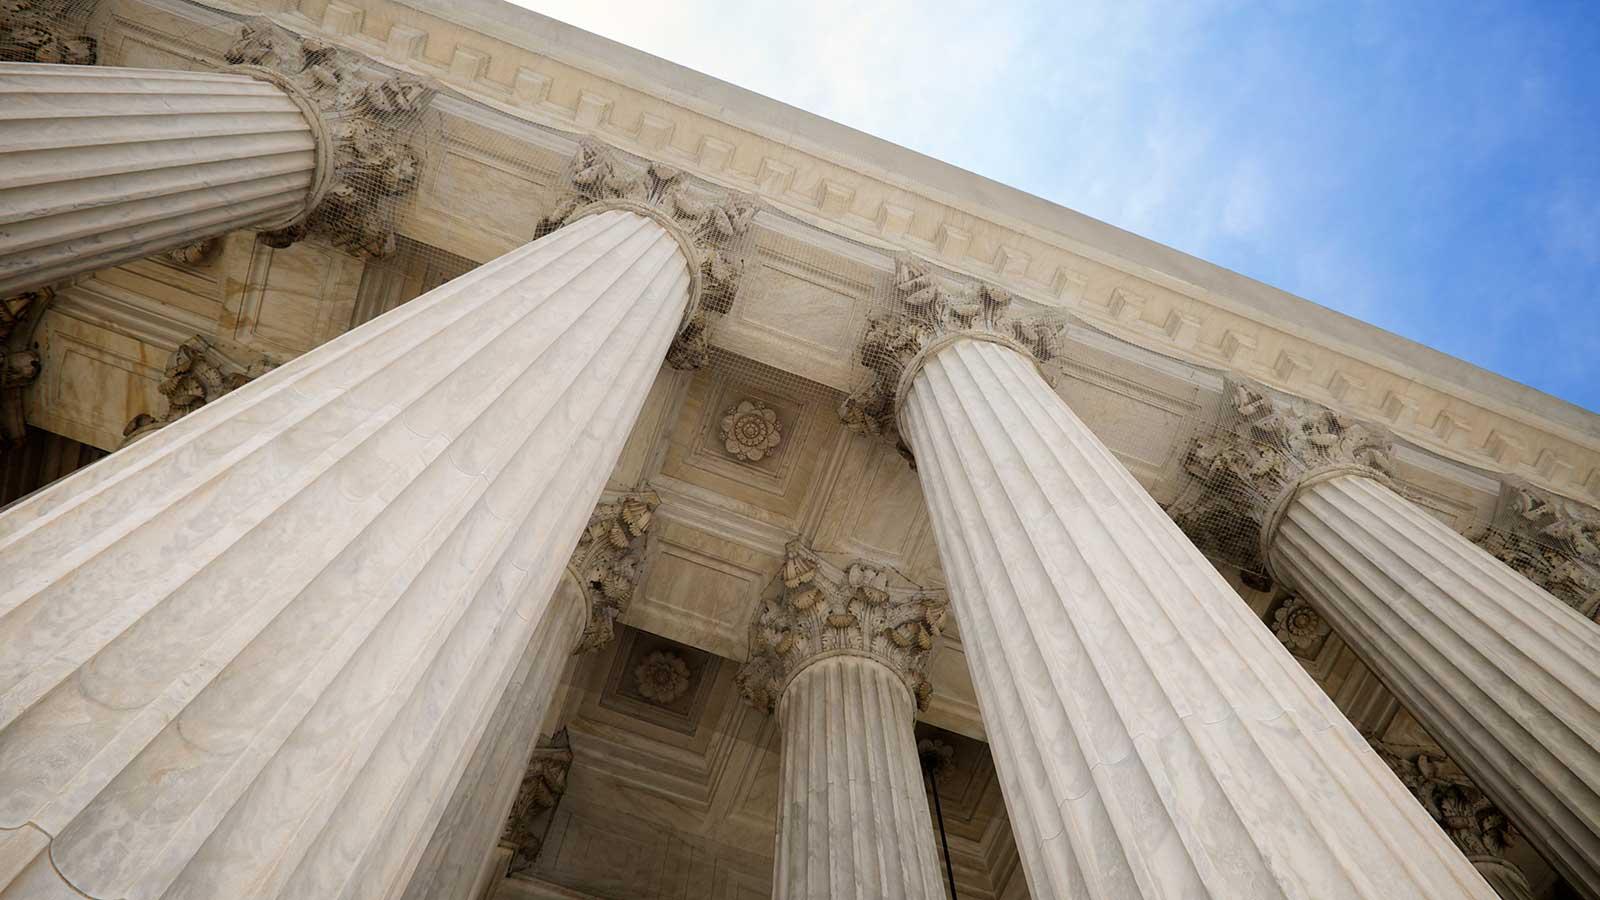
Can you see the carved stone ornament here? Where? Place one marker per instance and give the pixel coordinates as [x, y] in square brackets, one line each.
[1246, 472]
[1297, 625]
[927, 307]
[712, 225]
[1553, 542]
[369, 163]
[1476, 825]
[823, 610]
[606, 563]
[47, 31]
[199, 372]
[750, 431]
[193, 253]
[662, 677]
[542, 786]
[20, 364]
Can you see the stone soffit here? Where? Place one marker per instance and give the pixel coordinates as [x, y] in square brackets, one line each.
[538, 69]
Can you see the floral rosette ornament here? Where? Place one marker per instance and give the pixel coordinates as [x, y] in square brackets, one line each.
[750, 431]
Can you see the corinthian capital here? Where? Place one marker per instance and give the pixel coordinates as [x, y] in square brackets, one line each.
[543, 783]
[199, 372]
[606, 563]
[1476, 825]
[19, 360]
[365, 162]
[928, 307]
[1247, 471]
[1552, 541]
[712, 227]
[824, 610]
[47, 31]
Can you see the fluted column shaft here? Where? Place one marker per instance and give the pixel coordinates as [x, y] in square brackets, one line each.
[853, 819]
[468, 831]
[104, 165]
[1502, 675]
[252, 654]
[1152, 739]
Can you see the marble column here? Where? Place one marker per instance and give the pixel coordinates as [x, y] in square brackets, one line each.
[1152, 739]
[613, 540]
[104, 165]
[252, 654]
[1503, 675]
[841, 655]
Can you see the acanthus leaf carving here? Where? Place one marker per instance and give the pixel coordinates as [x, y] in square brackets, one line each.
[1473, 822]
[820, 609]
[370, 163]
[47, 31]
[199, 372]
[20, 363]
[607, 561]
[1552, 541]
[1245, 472]
[543, 783]
[929, 306]
[712, 225]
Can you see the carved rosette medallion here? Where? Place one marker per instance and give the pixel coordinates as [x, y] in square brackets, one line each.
[1553, 542]
[823, 610]
[542, 786]
[367, 163]
[750, 431]
[607, 561]
[1246, 472]
[928, 307]
[662, 677]
[1297, 625]
[198, 373]
[713, 227]
[1476, 825]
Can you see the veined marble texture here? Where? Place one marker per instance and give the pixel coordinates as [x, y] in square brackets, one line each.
[253, 654]
[1151, 737]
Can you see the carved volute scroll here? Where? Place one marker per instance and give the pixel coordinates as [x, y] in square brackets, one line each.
[1246, 473]
[367, 163]
[199, 372]
[820, 609]
[1552, 541]
[607, 562]
[927, 307]
[542, 786]
[713, 228]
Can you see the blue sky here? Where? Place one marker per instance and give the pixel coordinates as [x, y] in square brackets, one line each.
[1432, 168]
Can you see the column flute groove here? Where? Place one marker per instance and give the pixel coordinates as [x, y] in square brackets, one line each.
[839, 655]
[1151, 738]
[267, 650]
[1501, 673]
